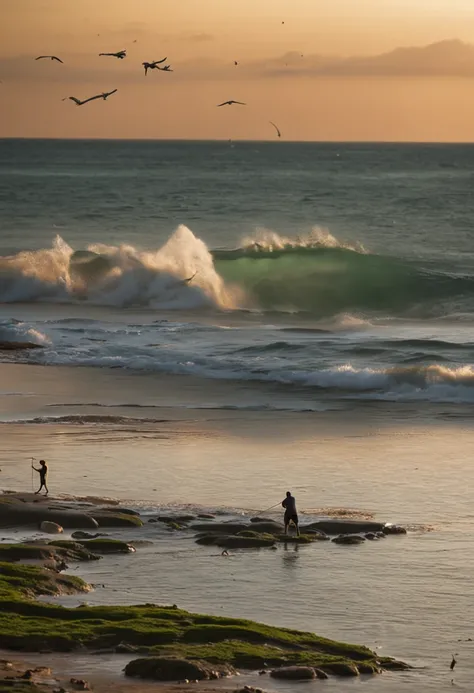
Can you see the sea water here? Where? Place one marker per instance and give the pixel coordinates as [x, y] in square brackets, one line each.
[215, 323]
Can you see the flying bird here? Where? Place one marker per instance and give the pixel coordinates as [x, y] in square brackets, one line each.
[78, 102]
[235, 62]
[49, 57]
[166, 68]
[230, 103]
[453, 662]
[276, 128]
[153, 65]
[120, 54]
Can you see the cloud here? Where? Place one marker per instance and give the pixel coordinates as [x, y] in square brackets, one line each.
[451, 58]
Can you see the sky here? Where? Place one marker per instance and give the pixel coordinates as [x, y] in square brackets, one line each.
[389, 70]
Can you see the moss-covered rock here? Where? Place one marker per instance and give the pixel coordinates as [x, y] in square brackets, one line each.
[57, 550]
[341, 668]
[19, 582]
[238, 541]
[107, 546]
[293, 539]
[115, 519]
[162, 631]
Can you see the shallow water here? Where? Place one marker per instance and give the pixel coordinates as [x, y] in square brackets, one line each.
[408, 596]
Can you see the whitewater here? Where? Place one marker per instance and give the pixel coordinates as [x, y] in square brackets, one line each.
[314, 269]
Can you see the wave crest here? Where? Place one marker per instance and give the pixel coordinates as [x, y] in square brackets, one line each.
[315, 274]
[180, 274]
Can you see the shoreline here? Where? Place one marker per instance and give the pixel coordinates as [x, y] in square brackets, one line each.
[212, 646]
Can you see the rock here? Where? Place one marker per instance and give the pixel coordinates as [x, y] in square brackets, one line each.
[368, 668]
[107, 546]
[220, 527]
[207, 539]
[50, 527]
[314, 534]
[121, 511]
[261, 519]
[114, 519]
[245, 542]
[320, 674]
[394, 529]
[294, 673]
[206, 516]
[371, 536]
[269, 527]
[293, 539]
[342, 669]
[335, 526]
[390, 664]
[86, 535]
[174, 669]
[124, 648]
[80, 684]
[380, 535]
[349, 539]
[167, 519]
[15, 512]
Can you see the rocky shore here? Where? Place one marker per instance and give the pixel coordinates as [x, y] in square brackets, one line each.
[165, 643]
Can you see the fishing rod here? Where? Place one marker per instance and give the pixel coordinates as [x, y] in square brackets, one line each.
[32, 459]
[270, 508]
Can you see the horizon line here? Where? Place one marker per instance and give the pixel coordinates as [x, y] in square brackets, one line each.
[183, 140]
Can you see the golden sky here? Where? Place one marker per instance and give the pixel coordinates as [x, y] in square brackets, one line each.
[321, 69]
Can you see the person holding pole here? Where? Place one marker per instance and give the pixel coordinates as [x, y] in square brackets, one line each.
[289, 503]
[43, 472]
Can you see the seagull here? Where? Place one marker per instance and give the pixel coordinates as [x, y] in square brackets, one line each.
[229, 103]
[49, 57]
[276, 128]
[78, 102]
[120, 54]
[453, 662]
[152, 65]
[235, 62]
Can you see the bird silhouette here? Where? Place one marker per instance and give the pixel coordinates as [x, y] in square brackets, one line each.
[49, 57]
[120, 54]
[276, 128]
[78, 102]
[230, 103]
[166, 68]
[153, 65]
[453, 661]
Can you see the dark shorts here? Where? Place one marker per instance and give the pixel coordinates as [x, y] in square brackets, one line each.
[293, 517]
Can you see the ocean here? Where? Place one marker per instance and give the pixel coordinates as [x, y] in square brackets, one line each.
[206, 324]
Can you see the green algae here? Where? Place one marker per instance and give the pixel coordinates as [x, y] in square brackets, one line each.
[30, 625]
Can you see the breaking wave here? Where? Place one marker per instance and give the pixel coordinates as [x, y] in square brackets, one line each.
[315, 274]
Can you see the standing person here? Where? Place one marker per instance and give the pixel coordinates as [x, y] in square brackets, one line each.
[43, 472]
[290, 512]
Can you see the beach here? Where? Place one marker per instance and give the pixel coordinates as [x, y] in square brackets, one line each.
[210, 368]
